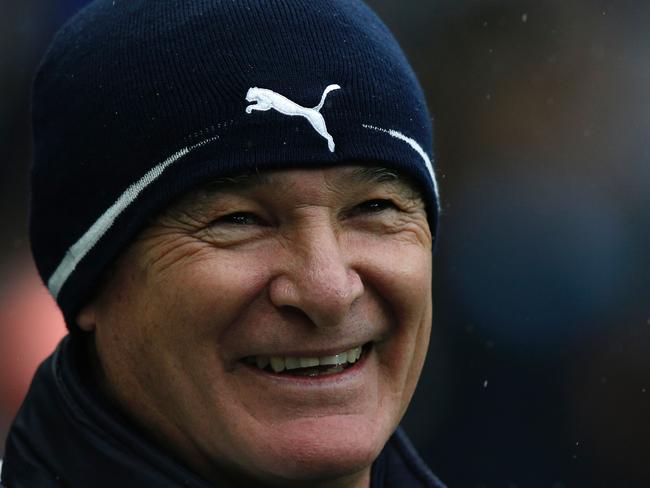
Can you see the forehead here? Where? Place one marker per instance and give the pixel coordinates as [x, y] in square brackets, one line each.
[337, 179]
[301, 186]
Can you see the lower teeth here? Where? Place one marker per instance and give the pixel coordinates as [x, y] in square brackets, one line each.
[316, 371]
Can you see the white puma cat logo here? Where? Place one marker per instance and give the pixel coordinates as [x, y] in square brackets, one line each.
[268, 99]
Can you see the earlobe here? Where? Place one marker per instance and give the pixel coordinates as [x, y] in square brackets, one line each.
[87, 318]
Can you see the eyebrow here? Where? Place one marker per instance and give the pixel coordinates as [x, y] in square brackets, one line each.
[362, 175]
[359, 175]
[374, 174]
[243, 180]
[403, 183]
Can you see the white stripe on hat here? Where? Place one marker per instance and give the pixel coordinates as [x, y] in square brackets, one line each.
[87, 241]
[414, 144]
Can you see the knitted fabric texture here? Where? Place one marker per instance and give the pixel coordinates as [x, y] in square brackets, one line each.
[138, 101]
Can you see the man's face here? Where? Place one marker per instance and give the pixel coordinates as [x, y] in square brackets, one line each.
[244, 278]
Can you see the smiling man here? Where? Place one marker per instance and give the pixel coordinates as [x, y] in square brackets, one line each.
[234, 206]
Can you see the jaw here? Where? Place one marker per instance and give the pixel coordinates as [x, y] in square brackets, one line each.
[307, 430]
[313, 451]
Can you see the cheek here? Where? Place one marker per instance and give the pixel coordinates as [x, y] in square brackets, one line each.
[198, 313]
[401, 276]
[202, 298]
[125, 333]
[160, 335]
[166, 315]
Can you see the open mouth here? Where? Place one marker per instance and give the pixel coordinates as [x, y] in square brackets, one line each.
[309, 366]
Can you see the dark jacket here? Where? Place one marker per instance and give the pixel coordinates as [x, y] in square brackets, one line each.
[67, 435]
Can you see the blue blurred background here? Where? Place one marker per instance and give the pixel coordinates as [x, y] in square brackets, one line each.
[539, 368]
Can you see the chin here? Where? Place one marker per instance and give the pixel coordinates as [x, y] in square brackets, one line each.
[321, 450]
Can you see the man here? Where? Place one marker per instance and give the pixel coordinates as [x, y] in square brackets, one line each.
[234, 206]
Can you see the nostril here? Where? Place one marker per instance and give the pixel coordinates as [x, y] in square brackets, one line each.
[294, 314]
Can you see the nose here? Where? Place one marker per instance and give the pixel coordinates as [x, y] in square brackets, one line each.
[317, 278]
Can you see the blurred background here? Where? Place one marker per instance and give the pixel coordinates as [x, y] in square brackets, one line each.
[539, 367]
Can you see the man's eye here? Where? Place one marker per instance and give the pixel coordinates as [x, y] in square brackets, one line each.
[240, 218]
[373, 206]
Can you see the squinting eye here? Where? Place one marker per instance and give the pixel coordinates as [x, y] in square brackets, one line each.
[240, 218]
[374, 206]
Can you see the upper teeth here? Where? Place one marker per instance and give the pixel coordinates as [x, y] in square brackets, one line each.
[279, 364]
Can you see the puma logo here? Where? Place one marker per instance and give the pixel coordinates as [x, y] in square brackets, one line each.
[267, 99]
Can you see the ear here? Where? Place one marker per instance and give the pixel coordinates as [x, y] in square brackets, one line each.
[87, 317]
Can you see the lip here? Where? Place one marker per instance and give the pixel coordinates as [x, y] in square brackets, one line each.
[314, 353]
[349, 373]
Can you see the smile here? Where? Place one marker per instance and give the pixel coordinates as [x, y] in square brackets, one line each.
[308, 366]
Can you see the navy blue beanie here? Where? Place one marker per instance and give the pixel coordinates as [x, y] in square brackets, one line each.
[139, 101]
